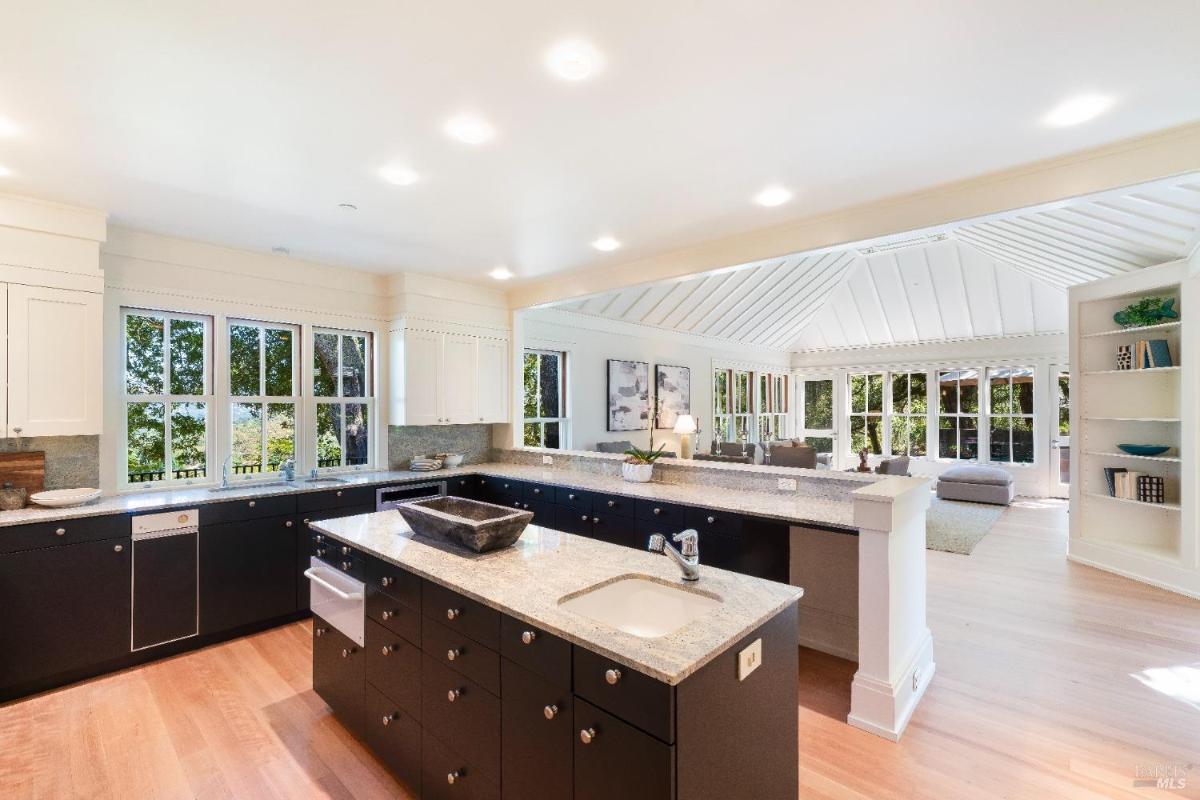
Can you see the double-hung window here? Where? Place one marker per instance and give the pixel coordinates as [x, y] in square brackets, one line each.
[772, 406]
[167, 396]
[958, 414]
[545, 414]
[910, 406]
[263, 388]
[342, 390]
[866, 412]
[722, 405]
[743, 405]
[1010, 414]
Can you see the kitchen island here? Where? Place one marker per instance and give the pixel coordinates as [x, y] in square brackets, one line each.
[472, 679]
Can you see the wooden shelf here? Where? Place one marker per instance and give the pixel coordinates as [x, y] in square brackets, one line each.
[1159, 506]
[1143, 329]
[1118, 454]
[1132, 371]
[1134, 419]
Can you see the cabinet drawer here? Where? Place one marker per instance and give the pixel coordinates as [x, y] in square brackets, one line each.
[446, 776]
[537, 731]
[336, 498]
[572, 520]
[613, 504]
[456, 709]
[67, 531]
[573, 498]
[394, 736]
[336, 513]
[615, 528]
[462, 614]
[454, 650]
[339, 673]
[669, 516]
[249, 508]
[464, 486]
[618, 760]
[395, 616]
[542, 653]
[636, 698]
[721, 522]
[396, 582]
[538, 492]
[394, 667]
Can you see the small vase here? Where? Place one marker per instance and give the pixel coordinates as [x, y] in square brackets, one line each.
[637, 473]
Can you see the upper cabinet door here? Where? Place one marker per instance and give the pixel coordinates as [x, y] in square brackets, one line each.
[54, 362]
[459, 381]
[492, 381]
[422, 378]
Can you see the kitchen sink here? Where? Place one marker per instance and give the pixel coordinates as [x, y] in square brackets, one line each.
[641, 605]
[325, 480]
[251, 485]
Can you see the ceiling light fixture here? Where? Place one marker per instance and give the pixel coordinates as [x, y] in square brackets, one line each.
[773, 196]
[574, 60]
[470, 129]
[399, 175]
[501, 273]
[1077, 110]
[606, 244]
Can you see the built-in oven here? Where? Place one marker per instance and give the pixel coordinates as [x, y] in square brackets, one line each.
[337, 598]
[395, 496]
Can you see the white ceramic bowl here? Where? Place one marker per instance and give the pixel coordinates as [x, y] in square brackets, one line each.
[64, 498]
[452, 460]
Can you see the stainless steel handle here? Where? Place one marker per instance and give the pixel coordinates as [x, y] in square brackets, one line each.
[387, 649]
[587, 735]
[612, 676]
[453, 694]
[451, 777]
[453, 653]
[289, 523]
[453, 613]
[550, 712]
[253, 503]
[387, 614]
[527, 637]
[118, 548]
[311, 574]
[59, 531]
[387, 718]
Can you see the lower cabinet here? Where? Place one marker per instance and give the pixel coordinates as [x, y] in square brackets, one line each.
[445, 775]
[306, 544]
[394, 736]
[536, 733]
[339, 674]
[615, 759]
[64, 609]
[247, 572]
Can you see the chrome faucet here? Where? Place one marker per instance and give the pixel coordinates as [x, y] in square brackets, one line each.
[225, 472]
[688, 554]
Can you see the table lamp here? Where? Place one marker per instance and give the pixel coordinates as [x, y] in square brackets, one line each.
[685, 426]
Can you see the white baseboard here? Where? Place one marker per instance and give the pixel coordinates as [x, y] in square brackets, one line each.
[884, 708]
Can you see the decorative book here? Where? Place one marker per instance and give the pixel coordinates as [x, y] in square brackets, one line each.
[1110, 477]
[1125, 356]
[1159, 353]
[1151, 489]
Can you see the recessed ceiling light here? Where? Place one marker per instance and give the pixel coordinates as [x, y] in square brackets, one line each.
[4, 171]
[347, 207]
[501, 273]
[470, 129]
[773, 196]
[606, 243]
[574, 60]
[1078, 109]
[8, 128]
[399, 175]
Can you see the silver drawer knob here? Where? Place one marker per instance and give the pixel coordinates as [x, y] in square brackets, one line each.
[453, 694]
[318, 538]
[595, 520]
[453, 653]
[339, 494]
[347, 652]
[537, 491]
[451, 777]
[584, 518]
[387, 718]
[587, 735]
[345, 551]
[612, 503]
[320, 631]
[453, 613]
[550, 712]
[289, 523]
[657, 511]
[118, 548]
[60, 531]
[387, 614]
[527, 637]
[570, 497]
[612, 676]
[387, 649]
[385, 581]
[711, 520]
[253, 503]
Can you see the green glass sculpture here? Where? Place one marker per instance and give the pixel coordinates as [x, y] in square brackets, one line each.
[1147, 311]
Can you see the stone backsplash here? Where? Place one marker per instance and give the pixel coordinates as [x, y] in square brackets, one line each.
[71, 461]
[406, 441]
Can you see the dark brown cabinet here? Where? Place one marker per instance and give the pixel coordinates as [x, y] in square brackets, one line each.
[394, 666]
[536, 736]
[339, 673]
[445, 775]
[394, 736]
[457, 710]
[615, 759]
[247, 572]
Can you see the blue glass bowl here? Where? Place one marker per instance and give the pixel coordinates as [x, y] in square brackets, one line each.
[1144, 449]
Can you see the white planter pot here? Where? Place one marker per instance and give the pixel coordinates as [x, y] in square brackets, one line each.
[637, 473]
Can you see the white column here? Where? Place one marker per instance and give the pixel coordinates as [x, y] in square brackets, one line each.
[895, 647]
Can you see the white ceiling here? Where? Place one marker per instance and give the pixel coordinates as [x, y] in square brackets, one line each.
[246, 123]
[1005, 275]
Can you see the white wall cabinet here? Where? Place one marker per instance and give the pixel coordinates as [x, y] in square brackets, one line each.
[54, 364]
[448, 378]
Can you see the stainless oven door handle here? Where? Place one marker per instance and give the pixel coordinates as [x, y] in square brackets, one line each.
[311, 574]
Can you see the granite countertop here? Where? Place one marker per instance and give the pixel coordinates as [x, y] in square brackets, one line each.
[527, 580]
[785, 506]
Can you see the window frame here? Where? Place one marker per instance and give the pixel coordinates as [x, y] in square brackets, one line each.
[368, 399]
[563, 419]
[958, 414]
[167, 399]
[867, 413]
[907, 416]
[989, 414]
[265, 401]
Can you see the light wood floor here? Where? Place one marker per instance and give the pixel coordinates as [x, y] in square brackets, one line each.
[1034, 698]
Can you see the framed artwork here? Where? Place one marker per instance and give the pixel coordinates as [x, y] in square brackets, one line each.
[628, 395]
[672, 394]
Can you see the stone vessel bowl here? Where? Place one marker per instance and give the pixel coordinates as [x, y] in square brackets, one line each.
[475, 525]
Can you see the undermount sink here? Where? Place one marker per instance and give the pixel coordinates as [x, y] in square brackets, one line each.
[641, 606]
[325, 480]
[250, 485]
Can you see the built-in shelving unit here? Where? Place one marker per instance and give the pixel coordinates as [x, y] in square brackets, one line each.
[1152, 542]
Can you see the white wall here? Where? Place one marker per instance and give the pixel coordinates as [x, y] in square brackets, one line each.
[1042, 352]
[589, 343]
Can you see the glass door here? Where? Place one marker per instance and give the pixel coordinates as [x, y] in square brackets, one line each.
[1060, 433]
[816, 424]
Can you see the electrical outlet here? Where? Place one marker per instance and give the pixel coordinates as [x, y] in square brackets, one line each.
[547, 460]
[787, 484]
[749, 659]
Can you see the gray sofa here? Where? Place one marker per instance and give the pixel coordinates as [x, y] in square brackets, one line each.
[976, 484]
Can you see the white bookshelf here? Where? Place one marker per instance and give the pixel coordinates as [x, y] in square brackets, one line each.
[1152, 542]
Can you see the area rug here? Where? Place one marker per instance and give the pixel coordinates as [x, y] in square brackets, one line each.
[955, 527]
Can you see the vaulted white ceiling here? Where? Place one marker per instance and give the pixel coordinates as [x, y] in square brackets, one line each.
[1005, 275]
